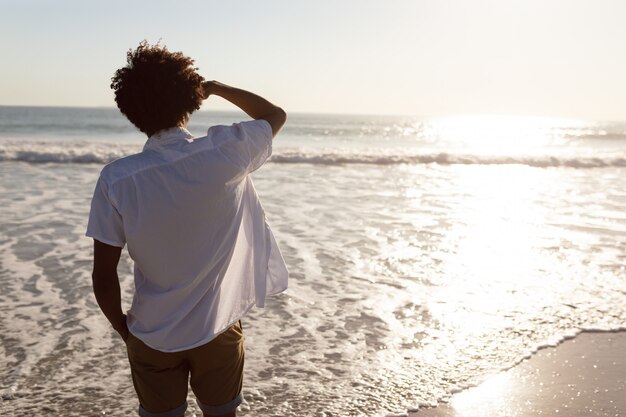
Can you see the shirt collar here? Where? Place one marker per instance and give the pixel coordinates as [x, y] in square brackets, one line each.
[166, 136]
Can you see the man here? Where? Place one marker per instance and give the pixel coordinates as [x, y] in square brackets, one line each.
[189, 214]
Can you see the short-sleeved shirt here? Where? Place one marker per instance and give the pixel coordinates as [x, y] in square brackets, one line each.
[191, 219]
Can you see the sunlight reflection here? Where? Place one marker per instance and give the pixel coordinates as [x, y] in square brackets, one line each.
[489, 396]
[496, 135]
[494, 236]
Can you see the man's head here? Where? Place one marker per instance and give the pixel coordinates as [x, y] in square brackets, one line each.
[157, 89]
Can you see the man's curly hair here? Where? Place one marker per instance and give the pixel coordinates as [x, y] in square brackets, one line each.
[158, 89]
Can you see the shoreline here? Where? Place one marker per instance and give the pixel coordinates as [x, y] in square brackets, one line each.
[581, 376]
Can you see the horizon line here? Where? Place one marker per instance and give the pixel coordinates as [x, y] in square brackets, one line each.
[352, 114]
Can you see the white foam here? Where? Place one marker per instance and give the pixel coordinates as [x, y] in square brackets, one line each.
[443, 158]
[64, 152]
[102, 153]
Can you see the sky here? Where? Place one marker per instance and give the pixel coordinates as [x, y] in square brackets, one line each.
[551, 58]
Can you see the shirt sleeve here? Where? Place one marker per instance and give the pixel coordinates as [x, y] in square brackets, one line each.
[105, 222]
[249, 144]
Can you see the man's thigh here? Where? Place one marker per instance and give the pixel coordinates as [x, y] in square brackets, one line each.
[160, 378]
[217, 372]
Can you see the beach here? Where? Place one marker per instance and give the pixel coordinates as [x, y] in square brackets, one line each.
[425, 257]
[583, 376]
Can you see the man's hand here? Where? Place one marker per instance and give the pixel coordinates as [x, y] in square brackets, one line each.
[209, 88]
[122, 328]
[255, 106]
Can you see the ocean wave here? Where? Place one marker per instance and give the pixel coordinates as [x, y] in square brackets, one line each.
[65, 152]
[443, 158]
[101, 153]
[602, 135]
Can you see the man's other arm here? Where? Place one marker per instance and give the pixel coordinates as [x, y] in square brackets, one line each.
[255, 106]
[106, 285]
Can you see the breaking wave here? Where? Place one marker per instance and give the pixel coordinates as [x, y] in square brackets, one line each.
[444, 158]
[102, 153]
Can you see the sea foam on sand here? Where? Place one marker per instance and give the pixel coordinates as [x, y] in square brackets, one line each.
[584, 376]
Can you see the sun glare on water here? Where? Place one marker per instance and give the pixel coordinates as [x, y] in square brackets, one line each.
[493, 245]
[495, 241]
[497, 135]
[494, 238]
[491, 258]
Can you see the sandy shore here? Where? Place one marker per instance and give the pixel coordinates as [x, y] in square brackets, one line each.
[585, 376]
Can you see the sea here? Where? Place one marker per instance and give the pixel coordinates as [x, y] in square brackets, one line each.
[425, 255]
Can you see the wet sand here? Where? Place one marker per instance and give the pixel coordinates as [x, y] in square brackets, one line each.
[584, 376]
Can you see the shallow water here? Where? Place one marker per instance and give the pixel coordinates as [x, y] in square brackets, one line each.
[408, 282]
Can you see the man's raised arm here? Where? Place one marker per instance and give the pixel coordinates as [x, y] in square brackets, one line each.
[255, 106]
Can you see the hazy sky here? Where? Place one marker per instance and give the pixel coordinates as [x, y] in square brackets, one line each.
[563, 58]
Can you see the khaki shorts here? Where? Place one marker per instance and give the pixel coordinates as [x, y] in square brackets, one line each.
[161, 378]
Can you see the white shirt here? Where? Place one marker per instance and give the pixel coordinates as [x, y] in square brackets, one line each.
[188, 211]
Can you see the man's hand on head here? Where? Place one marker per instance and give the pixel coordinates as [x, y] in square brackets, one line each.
[209, 88]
